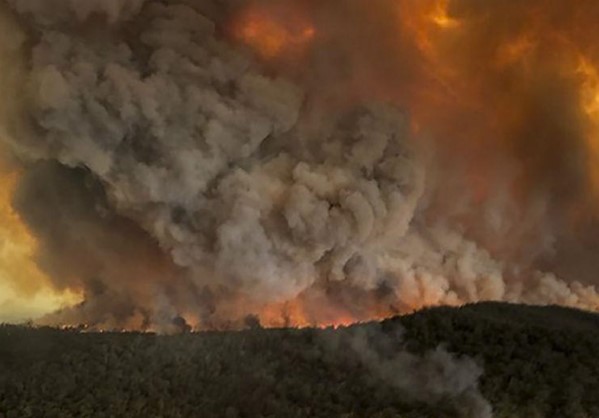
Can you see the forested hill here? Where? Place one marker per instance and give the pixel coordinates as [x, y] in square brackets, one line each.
[538, 361]
[443, 362]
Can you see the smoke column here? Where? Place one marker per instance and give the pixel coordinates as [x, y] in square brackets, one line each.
[307, 162]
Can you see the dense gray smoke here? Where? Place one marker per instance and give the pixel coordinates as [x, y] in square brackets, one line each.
[169, 173]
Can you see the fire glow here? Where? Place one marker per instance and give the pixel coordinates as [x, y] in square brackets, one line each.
[273, 33]
[25, 292]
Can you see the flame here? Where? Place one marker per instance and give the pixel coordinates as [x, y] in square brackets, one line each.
[25, 291]
[322, 309]
[299, 313]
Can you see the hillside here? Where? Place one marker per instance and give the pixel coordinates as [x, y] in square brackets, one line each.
[537, 362]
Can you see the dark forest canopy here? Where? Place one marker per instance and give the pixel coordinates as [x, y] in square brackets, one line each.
[537, 361]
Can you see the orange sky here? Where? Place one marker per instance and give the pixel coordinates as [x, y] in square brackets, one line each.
[25, 292]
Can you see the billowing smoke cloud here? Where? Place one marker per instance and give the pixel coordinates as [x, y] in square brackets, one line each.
[179, 165]
[86, 246]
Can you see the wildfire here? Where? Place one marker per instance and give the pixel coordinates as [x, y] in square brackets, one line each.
[298, 313]
[25, 292]
[506, 92]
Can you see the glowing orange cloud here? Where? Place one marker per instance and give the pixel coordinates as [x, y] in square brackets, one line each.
[590, 103]
[25, 292]
[273, 33]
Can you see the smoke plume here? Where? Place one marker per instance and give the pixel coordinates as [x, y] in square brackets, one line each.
[434, 377]
[306, 162]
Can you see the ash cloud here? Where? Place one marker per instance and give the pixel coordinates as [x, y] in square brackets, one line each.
[222, 178]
